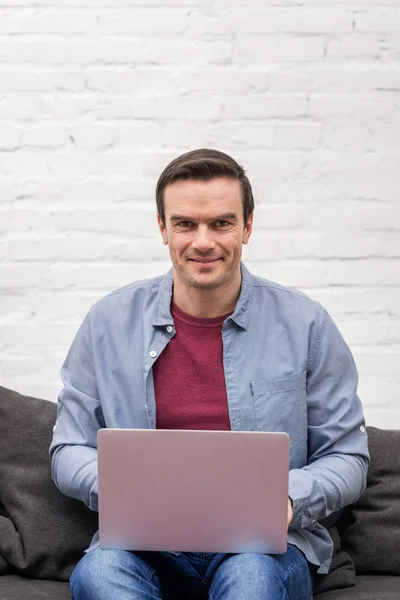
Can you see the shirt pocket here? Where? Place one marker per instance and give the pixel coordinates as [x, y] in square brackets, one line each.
[280, 404]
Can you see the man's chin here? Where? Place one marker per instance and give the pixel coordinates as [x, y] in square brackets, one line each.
[205, 282]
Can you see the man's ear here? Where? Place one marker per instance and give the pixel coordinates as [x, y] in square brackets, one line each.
[162, 229]
[248, 229]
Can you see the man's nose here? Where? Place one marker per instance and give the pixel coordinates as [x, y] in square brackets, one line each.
[203, 240]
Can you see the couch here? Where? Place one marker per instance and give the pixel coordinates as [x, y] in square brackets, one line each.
[43, 533]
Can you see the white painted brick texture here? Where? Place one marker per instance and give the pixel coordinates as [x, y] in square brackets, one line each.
[97, 96]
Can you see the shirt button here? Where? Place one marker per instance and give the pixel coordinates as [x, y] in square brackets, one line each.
[362, 428]
[170, 328]
[152, 353]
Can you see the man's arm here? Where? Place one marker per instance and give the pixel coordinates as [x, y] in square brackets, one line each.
[337, 441]
[73, 449]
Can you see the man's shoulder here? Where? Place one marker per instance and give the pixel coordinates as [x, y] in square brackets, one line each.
[286, 297]
[272, 287]
[136, 293]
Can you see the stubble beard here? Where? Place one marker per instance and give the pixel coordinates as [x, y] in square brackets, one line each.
[196, 282]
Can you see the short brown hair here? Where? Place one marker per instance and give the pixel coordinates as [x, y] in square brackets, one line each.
[202, 165]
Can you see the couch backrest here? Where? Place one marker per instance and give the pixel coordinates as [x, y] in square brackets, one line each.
[42, 532]
[370, 529]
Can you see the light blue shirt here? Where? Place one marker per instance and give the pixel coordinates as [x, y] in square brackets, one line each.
[287, 368]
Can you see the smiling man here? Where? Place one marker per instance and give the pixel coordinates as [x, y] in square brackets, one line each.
[210, 346]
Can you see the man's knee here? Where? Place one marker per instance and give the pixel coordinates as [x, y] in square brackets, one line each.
[255, 576]
[245, 574]
[93, 570]
[100, 573]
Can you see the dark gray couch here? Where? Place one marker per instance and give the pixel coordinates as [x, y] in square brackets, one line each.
[43, 533]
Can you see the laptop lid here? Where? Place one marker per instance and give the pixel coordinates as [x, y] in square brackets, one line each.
[193, 491]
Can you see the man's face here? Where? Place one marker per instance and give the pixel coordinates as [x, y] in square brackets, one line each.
[204, 230]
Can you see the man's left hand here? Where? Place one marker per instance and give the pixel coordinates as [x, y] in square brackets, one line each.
[289, 512]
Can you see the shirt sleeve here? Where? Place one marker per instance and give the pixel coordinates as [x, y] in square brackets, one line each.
[338, 458]
[73, 449]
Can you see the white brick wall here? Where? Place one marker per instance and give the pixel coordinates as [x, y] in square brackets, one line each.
[96, 96]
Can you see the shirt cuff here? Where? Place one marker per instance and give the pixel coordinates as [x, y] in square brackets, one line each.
[299, 495]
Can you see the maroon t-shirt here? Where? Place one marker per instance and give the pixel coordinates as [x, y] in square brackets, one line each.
[189, 380]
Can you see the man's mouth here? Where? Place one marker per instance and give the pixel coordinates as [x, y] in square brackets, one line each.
[205, 261]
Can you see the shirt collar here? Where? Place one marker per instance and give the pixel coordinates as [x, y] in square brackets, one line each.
[240, 316]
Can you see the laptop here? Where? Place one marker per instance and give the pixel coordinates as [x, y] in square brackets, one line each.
[193, 491]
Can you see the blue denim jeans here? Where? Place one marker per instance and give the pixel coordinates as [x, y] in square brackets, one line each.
[121, 575]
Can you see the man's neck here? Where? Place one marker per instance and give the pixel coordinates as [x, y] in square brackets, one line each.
[206, 304]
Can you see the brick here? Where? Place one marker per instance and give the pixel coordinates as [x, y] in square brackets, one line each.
[114, 51]
[377, 20]
[39, 51]
[125, 80]
[352, 301]
[205, 22]
[264, 50]
[50, 250]
[313, 274]
[354, 46]
[22, 80]
[196, 106]
[111, 3]
[131, 21]
[16, 277]
[181, 52]
[379, 392]
[31, 21]
[101, 194]
[344, 77]
[271, 165]
[385, 418]
[344, 217]
[67, 106]
[21, 108]
[48, 336]
[103, 277]
[45, 136]
[372, 137]
[390, 49]
[132, 222]
[26, 161]
[24, 220]
[10, 137]
[297, 135]
[324, 244]
[354, 3]
[384, 362]
[9, 191]
[219, 80]
[94, 136]
[44, 307]
[12, 366]
[267, 106]
[377, 332]
[298, 20]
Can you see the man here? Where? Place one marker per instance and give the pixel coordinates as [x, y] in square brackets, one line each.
[209, 346]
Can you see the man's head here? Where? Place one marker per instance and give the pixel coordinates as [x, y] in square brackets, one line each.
[205, 211]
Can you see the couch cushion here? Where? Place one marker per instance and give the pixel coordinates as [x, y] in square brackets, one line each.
[368, 587]
[42, 532]
[342, 573]
[17, 587]
[372, 540]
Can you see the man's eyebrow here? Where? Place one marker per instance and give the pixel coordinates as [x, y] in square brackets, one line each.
[230, 215]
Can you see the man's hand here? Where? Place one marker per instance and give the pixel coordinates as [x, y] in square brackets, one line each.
[289, 512]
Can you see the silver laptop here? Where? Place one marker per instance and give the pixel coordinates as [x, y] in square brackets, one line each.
[193, 491]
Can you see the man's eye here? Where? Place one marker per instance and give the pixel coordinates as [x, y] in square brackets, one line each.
[184, 224]
[222, 223]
